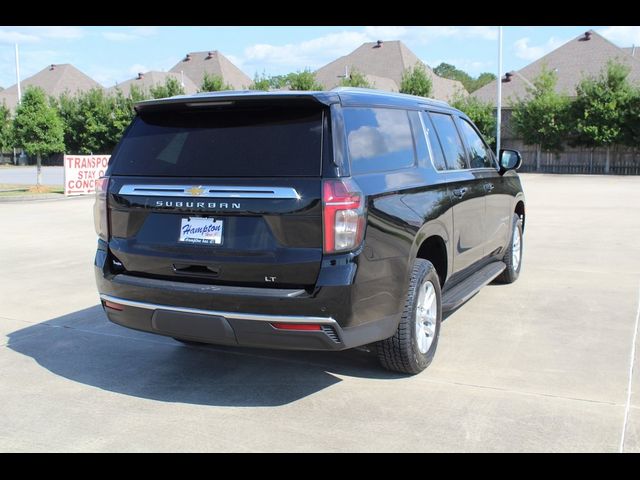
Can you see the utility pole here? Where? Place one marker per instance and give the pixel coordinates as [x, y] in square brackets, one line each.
[19, 92]
[499, 109]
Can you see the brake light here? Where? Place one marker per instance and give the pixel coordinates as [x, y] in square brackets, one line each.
[297, 326]
[113, 306]
[100, 212]
[343, 214]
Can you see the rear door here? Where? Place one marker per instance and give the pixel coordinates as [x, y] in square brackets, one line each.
[466, 192]
[227, 195]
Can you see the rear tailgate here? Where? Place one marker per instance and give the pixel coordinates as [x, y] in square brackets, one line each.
[225, 196]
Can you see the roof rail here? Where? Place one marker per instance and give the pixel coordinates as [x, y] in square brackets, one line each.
[386, 93]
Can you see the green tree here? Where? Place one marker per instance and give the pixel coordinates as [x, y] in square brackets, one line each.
[137, 94]
[541, 118]
[303, 80]
[482, 80]
[416, 81]
[598, 109]
[5, 131]
[446, 70]
[278, 81]
[37, 127]
[481, 113]
[170, 88]
[261, 82]
[355, 79]
[122, 114]
[213, 83]
[631, 120]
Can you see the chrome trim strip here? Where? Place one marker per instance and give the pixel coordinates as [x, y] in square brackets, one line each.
[233, 315]
[209, 191]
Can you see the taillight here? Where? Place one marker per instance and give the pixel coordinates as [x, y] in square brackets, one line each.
[100, 213]
[343, 213]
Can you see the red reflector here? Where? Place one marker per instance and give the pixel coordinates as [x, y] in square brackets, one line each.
[113, 306]
[296, 326]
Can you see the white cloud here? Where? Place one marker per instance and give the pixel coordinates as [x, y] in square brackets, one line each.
[310, 53]
[119, 36]
[144, 31]
[36, 34]
[623, 36]
[12, 36]
[67, 33]
[430, 33]
[130, 34]
[318, 51]
[534, 52]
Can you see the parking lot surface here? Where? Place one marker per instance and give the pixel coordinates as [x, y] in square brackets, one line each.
[540, 365]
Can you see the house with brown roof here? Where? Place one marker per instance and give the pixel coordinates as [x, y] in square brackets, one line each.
[585, 55]
[195, 64]
[144, 82]
[54, 80]
[383, 64]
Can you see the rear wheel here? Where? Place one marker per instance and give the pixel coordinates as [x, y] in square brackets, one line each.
[513, 254]
[413, 346]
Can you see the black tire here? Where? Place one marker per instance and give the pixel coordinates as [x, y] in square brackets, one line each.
[401, 353]
[511, 274]
[189, 342]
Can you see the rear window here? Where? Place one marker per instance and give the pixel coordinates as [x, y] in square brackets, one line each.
[266, 142]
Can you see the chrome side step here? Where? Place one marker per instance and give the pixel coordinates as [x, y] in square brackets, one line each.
[456, 296]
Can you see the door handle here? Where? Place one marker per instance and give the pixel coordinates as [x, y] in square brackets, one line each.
[459, 192]
[488, 187]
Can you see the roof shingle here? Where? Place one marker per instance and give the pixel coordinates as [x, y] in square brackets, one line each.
[387, 61]
[54, 80]
[195, 64]
[571, 61]
[152, 79]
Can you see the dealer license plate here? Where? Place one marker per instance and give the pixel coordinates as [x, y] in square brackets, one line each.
[201, 230]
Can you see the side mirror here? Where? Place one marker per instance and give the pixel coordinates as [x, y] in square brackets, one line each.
[509, 160]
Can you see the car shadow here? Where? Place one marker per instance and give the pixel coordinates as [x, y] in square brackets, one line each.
[85, 347]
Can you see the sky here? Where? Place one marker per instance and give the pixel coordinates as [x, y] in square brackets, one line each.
[114, 54]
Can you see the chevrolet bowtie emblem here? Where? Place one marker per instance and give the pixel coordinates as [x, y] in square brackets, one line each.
[195, 191]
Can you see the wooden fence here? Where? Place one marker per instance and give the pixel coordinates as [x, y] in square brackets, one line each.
[622, 161]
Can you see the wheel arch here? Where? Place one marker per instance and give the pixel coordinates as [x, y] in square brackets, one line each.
[431, 244]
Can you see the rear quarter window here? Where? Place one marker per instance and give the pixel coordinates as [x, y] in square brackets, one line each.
[379, 139]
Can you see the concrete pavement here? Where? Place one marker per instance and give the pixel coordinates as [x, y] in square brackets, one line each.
[540, 365]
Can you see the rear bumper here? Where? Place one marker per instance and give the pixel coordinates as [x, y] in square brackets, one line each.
[238, 315]
[225, 328]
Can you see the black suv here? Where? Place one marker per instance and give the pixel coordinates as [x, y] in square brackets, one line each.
[304, 220]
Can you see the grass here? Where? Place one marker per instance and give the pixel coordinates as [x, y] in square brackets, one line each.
[10, 190]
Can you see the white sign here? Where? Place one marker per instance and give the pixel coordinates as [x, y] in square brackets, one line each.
[201, 230]
[82, 171]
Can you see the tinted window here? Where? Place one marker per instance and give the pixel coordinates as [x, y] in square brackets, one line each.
[266, 142]
[434, 144]
[479, 154]
[379, 139]
[450, 141]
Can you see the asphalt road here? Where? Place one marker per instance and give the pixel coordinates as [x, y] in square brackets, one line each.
[540, 365]
[27, 175]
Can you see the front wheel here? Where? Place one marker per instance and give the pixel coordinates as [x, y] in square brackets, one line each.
[413, 346]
